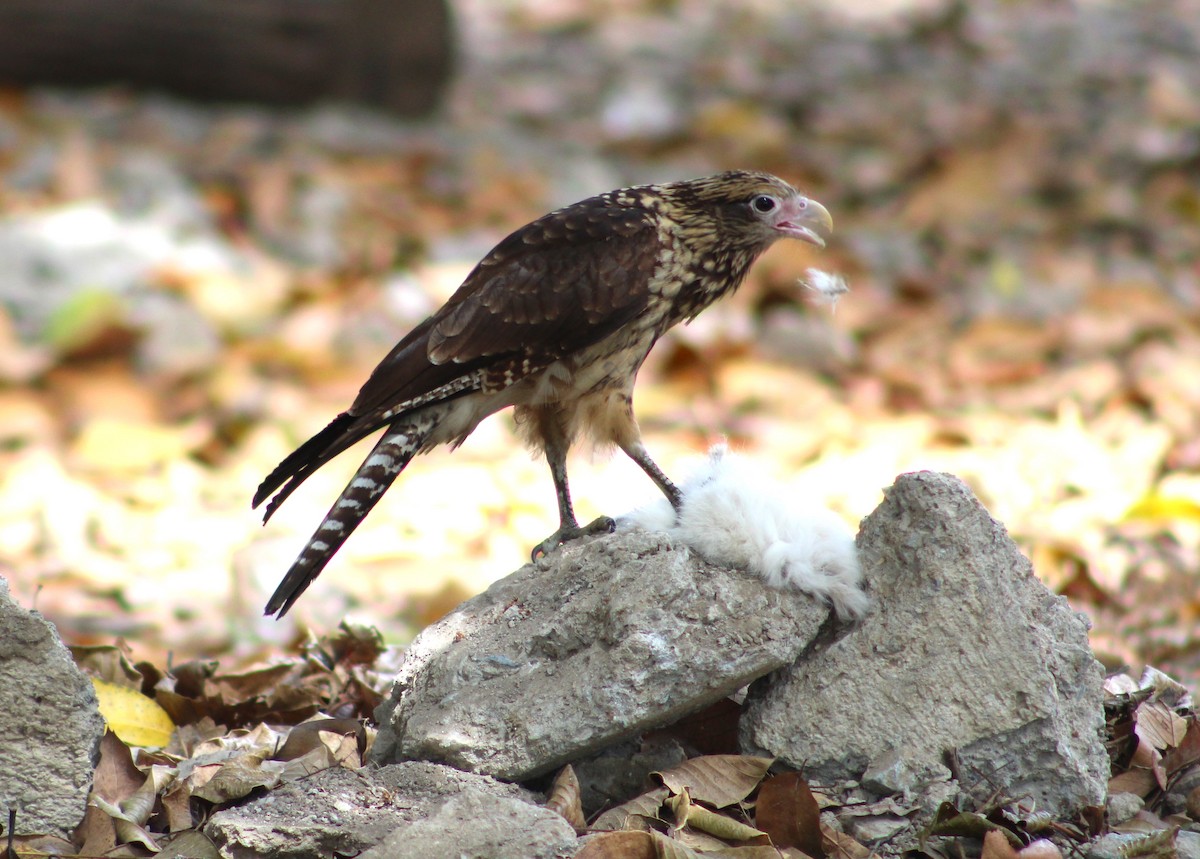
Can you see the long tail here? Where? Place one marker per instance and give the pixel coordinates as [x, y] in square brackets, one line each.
[342, 432]
[395, 449]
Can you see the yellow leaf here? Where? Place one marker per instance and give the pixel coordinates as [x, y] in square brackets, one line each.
[133, 717]
[1164, 508]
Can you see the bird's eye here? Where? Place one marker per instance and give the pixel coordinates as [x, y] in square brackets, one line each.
[764, 203]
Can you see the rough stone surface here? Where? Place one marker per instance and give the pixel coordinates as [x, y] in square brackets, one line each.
[343, 812]
[483, 825]
[1187, 844]
[1122, 807]
[893, 773]
[964, 652]
[598, 642]
[50, 725]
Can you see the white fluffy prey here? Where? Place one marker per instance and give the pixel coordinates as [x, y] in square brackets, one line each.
[737, 517]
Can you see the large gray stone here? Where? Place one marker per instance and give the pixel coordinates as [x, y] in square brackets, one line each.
[966, 657]
[477, 824]
[50, 725]
[598, 642]
[343, 812]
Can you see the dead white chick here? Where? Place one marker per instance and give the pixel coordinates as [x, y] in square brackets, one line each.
[736, 517]
[828, 288]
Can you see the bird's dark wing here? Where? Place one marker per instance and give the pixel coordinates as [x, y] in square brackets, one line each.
[557, 285]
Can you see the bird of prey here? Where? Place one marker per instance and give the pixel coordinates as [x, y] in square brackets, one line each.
[555, 321]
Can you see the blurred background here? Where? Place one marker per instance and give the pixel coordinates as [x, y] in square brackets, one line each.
[213, 225]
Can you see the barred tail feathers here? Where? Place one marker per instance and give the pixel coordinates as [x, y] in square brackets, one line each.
[387, 459]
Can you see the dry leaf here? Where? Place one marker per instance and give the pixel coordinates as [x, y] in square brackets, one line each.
[706, 820]
[136, 719]
[839, 845]
[96, 833]
[619, 845]
[233, 779]
[116, 777]
[1159, 725]
[108, 663]
[788, 812]
[1137, 780]
[177, 807]
[951, 821]
[308, 735]
[643, 806]
[719, 780]
[565, 799]
[193, 844]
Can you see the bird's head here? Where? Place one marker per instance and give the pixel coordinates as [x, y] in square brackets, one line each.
[757, 208]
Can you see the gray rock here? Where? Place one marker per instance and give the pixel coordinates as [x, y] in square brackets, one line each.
[50, 725]
[871, 830]
[893, 773]
[340, 812]
[1122, 807]
[1187, 844]
[966, 654]
[600, 641]
[477, 825]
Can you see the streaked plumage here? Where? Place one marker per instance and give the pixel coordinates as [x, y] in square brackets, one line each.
[556, 321]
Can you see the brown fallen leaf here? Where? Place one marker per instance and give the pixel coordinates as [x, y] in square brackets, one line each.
[177, 808]
[619, 845]
[109, 663]
[969, 824]
[696, 816]
[788, 812]
[307, 735]
[96, 834]
[839, 845]
[232, 779]
[1159, 725]
[191, 843]
[565, 798]
[719, 780]
[635, 813]
[1135, 780]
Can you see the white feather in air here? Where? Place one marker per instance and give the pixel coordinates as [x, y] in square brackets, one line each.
[828, 288]
[736, 517]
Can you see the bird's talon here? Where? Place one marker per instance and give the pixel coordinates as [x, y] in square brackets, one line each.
[599, 525]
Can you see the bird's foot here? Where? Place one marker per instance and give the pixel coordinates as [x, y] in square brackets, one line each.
[567, 533]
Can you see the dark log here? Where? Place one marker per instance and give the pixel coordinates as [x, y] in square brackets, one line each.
[392, 54]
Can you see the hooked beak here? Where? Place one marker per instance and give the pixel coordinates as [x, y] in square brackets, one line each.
[806, 220]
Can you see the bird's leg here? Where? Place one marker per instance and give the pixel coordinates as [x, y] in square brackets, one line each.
[636, 451]
[556, 445]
